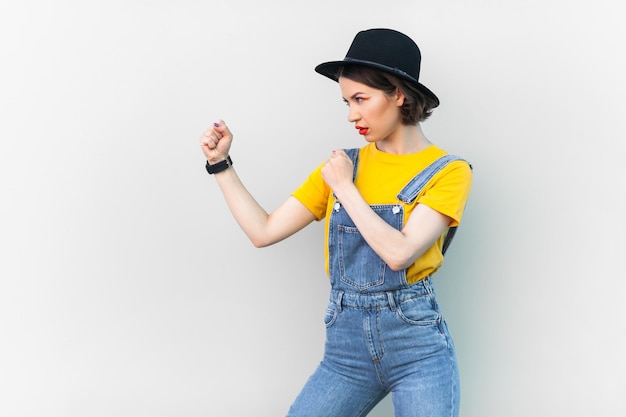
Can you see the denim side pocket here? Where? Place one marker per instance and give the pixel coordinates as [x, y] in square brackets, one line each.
[419, 311]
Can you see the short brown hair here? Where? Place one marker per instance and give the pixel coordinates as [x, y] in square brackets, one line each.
[416, 108]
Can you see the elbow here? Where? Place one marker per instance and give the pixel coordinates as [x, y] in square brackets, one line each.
[397, 266]
[399, 263]
[400, 260]
[260, 242]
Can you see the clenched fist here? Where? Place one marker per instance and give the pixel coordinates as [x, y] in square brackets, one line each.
[337, 172]
[216, 141]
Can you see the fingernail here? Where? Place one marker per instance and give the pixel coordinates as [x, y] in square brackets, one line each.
[216, 124]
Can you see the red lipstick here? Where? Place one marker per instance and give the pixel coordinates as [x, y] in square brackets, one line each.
[362, 130]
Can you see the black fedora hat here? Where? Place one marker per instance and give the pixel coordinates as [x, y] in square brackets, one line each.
[386, 50]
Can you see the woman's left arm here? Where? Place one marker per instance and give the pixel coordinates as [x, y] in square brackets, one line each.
[398, 248]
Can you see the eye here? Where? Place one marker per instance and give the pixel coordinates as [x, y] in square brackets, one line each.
[356, 100]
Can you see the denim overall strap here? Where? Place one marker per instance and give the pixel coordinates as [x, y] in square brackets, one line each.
[354, 156]
[412, 189]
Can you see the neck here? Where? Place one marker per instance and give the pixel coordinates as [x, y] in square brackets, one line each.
[405, 140]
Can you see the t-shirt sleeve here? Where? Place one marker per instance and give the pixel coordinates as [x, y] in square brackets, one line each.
[449, 190]
[313, 193]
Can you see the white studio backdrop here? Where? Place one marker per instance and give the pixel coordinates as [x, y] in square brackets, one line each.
[127, 289]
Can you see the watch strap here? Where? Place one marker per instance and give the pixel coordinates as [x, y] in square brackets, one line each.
[220, 166]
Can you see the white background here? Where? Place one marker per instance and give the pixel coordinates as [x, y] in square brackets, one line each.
[126, 287]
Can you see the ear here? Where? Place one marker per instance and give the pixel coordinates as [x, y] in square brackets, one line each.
[400, 97]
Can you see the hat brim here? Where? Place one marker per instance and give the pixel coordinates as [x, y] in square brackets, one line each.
[331, 69]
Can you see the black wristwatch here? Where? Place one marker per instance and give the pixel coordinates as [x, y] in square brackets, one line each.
[220, 166]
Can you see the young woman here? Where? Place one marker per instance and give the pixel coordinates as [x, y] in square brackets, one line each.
[389, 207]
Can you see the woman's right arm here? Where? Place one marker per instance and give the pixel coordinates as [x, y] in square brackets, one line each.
[262, 229]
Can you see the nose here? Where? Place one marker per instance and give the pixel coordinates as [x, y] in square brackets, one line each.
[353, 114]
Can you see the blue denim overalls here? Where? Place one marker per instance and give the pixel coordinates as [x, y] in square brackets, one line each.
[382, 334]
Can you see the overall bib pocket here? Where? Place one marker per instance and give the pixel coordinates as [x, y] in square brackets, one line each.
[359, 266]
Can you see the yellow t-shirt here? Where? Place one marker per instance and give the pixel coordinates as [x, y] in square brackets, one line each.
[381, 176]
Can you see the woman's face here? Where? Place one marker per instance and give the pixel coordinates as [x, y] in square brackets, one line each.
[375, 114]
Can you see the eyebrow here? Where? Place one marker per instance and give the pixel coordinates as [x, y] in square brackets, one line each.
[353, 96]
